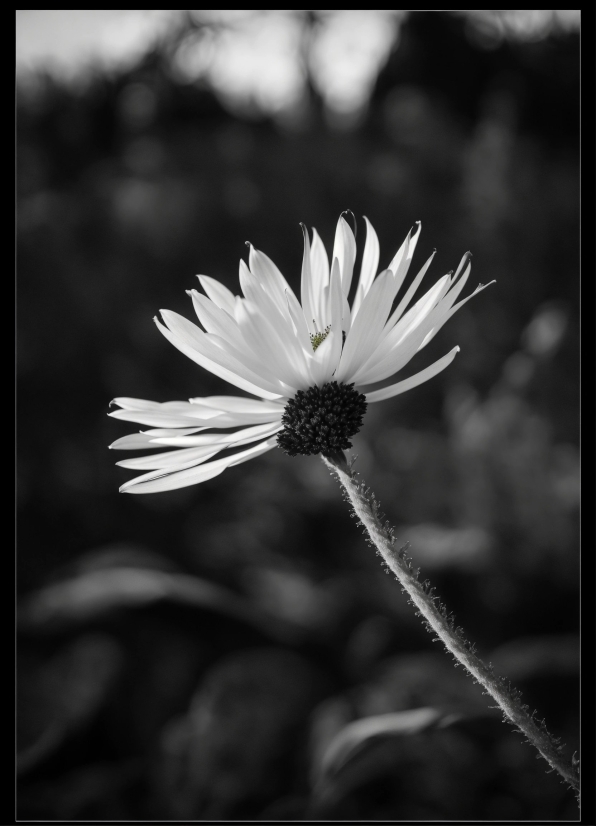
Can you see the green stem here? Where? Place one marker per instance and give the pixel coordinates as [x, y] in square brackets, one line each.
[439, 622]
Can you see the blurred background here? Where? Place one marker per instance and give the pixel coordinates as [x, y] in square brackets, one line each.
[225, 651]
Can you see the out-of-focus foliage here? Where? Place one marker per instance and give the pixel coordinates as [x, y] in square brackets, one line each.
[200, 654]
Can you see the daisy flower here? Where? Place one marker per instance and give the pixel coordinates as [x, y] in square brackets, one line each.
[308, 365]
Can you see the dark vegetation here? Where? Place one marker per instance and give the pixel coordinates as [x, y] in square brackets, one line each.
[193, 654]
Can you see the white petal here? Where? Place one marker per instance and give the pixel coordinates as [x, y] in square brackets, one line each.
[456, 287]
[299, 321]
[323, 317]
[135, 404]
[440, 309]
[370, 265]
[465, 259]
[237, 404]
[401, 307]
[134, 441]
[156, 483]
[162, 418]
[193, 476]
[307, 286]
[413, 381]
[402, 258]
[249, 284]
[418, 313]
[344, 249]
[219, 294]
[160, 432]
[160, 473]
[267, 345]
[346, 315]
[176, 408]
[289, 350]
[269, 276]
[213, 318]
[253, 362]
[367, 327]
[172, 458]
[377, 369]
[146, 440]
[336, 298]
[406, 345]
[239, 437]
[319, 267]
[453, 310]
[226, 367]
[261, 299]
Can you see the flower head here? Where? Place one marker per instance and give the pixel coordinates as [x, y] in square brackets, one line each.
[308, 364]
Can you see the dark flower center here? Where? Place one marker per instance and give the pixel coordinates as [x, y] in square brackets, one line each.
[321, 419]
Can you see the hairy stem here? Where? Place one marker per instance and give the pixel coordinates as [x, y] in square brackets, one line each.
[441, 623]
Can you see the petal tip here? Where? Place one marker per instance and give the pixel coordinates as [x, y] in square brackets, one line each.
[354, 222]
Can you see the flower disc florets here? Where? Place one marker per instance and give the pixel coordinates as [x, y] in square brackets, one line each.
[322, 419]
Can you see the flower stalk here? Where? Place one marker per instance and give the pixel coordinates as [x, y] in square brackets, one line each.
[441, 623]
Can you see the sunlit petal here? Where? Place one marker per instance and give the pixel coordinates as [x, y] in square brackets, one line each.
[155, 482]
[344, 250]
[370, 265]
[219, 294]
[413, 381]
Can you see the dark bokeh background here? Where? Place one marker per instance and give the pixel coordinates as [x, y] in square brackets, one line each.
[199, 653]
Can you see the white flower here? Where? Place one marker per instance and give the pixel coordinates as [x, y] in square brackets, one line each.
[308, 364]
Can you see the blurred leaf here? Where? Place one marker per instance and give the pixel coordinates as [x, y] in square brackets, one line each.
[290, 594]
[534, 657]
[95, 593]
[544, 333]
[368, 642]
[435, 767]
[404, 763]
[121, 555]
[438, 546]
[423, 680]
[355, 736]
[238, 745]
[62, 695]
